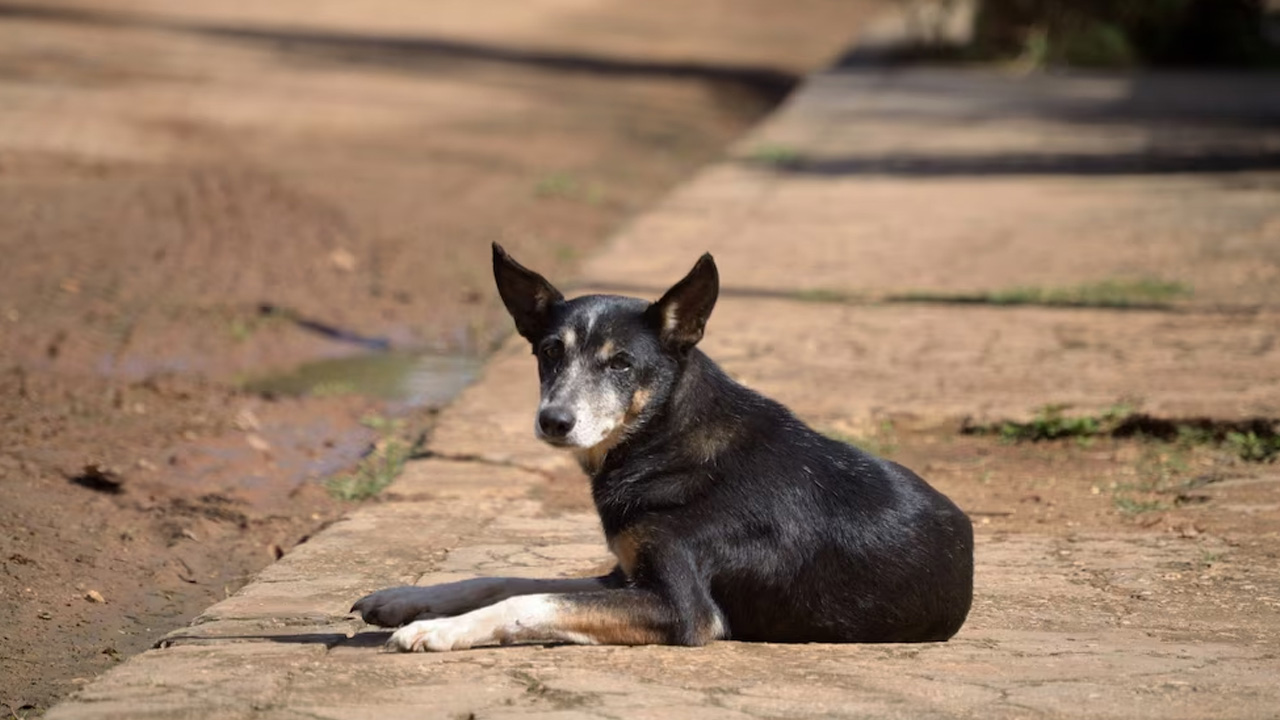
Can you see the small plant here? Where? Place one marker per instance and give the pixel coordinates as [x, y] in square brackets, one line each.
[1251, 447]
[556, 184]
[243, 327]
[332, 388]
[1250, 441]
[381, 423]
[566, 187]
[823, 295]
[1132, 506]
[1145, 292]
[1051, 423]
[1162, 468]
[380, 467]
[774, 155]
[374, 473]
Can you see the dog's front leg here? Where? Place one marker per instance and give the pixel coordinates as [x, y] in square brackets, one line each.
[396, 606]
[610, 617]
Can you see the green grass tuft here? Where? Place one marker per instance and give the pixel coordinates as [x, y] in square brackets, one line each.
[1251, 447]
[824, 295]
[374, 473]
[1140, 293]
[774, 155]
[1051, 423]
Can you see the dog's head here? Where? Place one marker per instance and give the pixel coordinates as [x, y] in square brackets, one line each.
[606, 362]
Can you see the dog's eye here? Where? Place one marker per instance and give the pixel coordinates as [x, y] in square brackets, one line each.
[620, 363]
[553, 350]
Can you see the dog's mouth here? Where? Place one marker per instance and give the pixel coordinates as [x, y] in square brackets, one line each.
[568, 442]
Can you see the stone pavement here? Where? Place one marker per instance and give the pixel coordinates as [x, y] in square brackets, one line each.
[871, 185]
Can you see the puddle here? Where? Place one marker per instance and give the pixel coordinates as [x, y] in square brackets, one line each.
[314, 445]
[406, 380]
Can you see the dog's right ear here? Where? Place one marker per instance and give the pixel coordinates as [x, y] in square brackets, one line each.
[528, 296]
[680, 316]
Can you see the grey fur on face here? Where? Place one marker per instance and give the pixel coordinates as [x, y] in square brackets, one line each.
[588, 394]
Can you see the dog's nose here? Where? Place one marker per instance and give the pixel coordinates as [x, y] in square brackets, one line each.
[555, 422]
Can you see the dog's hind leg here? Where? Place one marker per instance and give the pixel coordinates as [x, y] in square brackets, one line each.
[396, 606]
[611, 617]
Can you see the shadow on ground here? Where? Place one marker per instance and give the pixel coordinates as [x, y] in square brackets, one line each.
[769, 84]
[1069, 124]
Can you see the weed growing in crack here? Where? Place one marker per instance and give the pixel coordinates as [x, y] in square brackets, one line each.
[774, 155]
[1140, 293]
[374, 473]
[1208, 559]
[380, 467]
[1133, 506]
[824, 295]
[1051, 423]
[1251, 447]
[565, 186]
[1252, 441]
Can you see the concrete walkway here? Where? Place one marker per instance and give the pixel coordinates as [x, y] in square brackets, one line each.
[870, 188]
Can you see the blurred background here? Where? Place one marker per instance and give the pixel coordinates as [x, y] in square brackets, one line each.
[244, 245]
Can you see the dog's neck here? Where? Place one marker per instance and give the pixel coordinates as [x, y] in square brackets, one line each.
[591, 459]
[681, 434]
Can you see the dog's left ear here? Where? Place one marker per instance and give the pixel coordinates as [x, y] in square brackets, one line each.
[681, 315]
[528, 296]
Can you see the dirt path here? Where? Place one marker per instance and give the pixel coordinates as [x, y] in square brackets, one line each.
[196, 195]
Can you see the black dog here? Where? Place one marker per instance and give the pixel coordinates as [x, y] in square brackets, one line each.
[729, 517]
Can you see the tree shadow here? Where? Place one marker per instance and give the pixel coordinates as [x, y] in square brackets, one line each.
[1158, 122]
[1031, 164]
[422, 53]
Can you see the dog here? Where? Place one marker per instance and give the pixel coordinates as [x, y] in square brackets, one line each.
[728, 516]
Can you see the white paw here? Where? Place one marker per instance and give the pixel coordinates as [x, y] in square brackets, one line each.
[439, 635]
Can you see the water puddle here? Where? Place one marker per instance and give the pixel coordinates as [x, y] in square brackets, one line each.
[405, 380]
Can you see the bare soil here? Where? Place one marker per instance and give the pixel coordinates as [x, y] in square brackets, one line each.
[187, 199]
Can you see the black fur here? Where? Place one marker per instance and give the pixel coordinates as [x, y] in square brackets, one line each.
[793, 536]
[730, 517]
[745, 511]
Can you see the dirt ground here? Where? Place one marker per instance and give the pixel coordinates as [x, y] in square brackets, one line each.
[192, 200]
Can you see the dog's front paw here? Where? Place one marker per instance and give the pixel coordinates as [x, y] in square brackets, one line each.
[394, 607]
[430, 636]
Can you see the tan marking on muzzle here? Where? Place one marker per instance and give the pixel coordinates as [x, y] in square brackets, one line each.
[592, 459]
